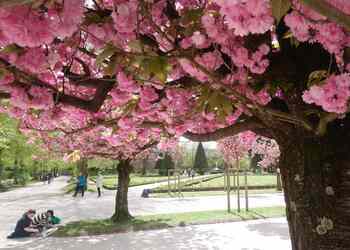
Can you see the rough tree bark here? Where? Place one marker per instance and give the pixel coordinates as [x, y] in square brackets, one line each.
[144, 167]
[121, 212]
[82, 166]
[316, 181]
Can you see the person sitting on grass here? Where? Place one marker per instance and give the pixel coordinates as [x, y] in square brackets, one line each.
[42, 221]
[55, 220]
[24, 226]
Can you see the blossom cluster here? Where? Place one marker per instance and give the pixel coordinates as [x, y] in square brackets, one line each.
[333, 96]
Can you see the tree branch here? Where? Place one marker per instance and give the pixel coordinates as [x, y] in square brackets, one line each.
[234, 129]
[4, 95]
[102, 88]
[329, 11]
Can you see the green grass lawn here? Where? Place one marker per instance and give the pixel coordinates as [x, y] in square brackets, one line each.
[212, 193]
[186, 182]
[7, 185]
[106, 226]
[110, 181]
[253, 180]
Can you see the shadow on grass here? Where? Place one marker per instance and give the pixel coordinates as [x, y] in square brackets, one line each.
[97, 227]
[260, 216]
[70, 188]
[161, 221]
[247, 215]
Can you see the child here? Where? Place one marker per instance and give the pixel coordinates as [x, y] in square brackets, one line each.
[99, 184]
[43, 221]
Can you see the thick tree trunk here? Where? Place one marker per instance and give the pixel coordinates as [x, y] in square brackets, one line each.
[144, 167]
[121, 212]
[316, 180]
[82, 165]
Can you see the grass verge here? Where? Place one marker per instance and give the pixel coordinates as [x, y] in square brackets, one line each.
[5, 187]
[212, 193]
[110, 181]
[219, 183]
[160, 221]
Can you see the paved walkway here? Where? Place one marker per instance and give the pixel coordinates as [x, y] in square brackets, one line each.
[43, 196]
[270, 234]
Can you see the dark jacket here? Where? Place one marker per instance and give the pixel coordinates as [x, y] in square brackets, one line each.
[22, 223]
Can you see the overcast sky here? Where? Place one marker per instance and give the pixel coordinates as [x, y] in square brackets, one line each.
[190, 144]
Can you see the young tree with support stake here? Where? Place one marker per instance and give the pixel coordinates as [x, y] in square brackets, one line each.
[202, 69]
[233, 149]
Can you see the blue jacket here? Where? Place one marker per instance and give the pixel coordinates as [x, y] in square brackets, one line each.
[82, 181]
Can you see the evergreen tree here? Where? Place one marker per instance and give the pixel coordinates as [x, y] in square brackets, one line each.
[200, 162]
[165, 164]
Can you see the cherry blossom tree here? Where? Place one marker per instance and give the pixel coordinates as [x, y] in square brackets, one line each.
[203, 69]
[235, 147]
[97, 142]
[240, 145]
[268, 149]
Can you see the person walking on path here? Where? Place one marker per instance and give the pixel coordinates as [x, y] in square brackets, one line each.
[49, 178]
[81, 185]
[99, 184]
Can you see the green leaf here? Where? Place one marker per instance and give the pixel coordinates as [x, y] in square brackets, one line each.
[191, 16]
[227, 106]
[148, 40]
[287, 35]
[11, 48]
[156, 66]
[294, 42]
[110, 69]
[286, 86]
[219, 104]
[317, 77]
[2, 73]
[130, 106]
[135, 46]
[107, 52]
[214, 101]
[257, 86]
[9, 3]
[280, 8]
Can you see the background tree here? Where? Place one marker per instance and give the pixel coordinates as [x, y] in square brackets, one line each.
[202, 69]
[254, 160]
[84, 144]
[214, 158]
[165, 164]
[200, 161]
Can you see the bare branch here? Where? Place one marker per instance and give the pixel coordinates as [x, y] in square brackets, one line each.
[93, 105]
[236, 128]
[329, 11]
[324, 121]
[4, 95]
